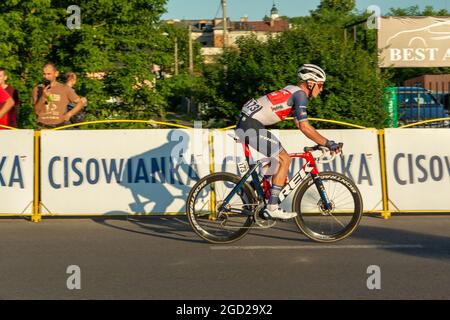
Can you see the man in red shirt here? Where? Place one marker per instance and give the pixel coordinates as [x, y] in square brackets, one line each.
[13, 112]
[6, 103]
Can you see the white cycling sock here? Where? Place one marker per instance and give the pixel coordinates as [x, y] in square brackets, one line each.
[274, 195]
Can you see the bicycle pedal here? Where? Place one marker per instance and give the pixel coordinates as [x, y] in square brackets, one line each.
[263, 215]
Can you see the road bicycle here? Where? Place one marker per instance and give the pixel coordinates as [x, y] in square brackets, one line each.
[223, 207]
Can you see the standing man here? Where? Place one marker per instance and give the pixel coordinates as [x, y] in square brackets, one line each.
[9, 102]
[50, 100]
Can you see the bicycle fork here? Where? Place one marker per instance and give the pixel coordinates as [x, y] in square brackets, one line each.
[321, 189]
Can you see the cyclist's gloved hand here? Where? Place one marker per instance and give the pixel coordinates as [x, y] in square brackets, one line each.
[333, 146]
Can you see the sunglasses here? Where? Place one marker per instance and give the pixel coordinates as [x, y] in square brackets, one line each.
[318, 84]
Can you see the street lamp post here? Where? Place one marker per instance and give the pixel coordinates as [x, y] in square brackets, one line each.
[176, 55]
[175, 52]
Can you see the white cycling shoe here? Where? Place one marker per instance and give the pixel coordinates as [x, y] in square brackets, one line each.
[279, 214]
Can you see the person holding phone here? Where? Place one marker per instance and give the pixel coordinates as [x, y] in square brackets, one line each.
[51, 98]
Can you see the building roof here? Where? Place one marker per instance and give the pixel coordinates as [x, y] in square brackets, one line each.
[252, 26]
[266, 26]
[274, 9]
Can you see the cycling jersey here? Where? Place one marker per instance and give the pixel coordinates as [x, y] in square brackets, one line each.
[276, 106]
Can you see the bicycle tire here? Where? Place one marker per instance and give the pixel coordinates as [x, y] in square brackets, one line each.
[307, 220]
[195, 218]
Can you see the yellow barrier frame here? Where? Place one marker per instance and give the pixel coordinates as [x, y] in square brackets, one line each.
[37, 204]
[37, 214]
[386, 214]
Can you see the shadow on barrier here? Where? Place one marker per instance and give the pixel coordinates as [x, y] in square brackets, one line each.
[155, 181]
[154, 188]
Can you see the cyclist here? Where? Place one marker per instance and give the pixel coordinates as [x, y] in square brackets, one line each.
[275, 107]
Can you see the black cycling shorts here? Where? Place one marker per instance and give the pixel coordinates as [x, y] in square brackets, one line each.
[253, 133]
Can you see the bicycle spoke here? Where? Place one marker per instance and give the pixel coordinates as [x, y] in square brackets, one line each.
[331, 224]
[233, 221]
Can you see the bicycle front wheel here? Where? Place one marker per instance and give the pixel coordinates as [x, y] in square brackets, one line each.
[328, 224]
[204, 203]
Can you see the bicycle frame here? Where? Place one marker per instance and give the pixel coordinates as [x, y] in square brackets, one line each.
[310, 168]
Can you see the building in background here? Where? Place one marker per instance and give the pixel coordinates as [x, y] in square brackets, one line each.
[433, 82]
[209, 33]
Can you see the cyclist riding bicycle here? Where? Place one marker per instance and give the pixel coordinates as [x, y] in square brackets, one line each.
[275, 107]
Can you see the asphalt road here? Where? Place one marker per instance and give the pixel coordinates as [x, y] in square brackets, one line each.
[161, 258]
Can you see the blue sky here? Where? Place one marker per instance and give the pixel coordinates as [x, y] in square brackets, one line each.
[256, 9]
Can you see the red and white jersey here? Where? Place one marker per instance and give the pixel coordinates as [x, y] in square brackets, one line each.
[273, 107]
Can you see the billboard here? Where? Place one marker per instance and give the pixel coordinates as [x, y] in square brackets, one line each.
[120, 171]
[418, 169]
[16, 171]
[359, 162]
[414, 42]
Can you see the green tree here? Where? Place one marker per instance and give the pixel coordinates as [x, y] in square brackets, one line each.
[118, 39]
[30, 31]
[415, 11]
[353, 89]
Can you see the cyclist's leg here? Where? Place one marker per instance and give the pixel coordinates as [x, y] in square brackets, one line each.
[270, 146]
[284, 161]
[253, 133]
[278, 178]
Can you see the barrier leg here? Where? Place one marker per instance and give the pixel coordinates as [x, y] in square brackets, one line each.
[36, 217]
[212, 205]
[386, 213]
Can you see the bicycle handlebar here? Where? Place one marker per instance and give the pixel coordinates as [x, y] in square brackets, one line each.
[325, 151]
[319, 147]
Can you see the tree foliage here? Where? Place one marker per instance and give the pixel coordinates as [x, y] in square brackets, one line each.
[118, 40]
[354, 87]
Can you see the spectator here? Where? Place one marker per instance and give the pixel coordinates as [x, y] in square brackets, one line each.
[8, 113]
[6, 104]
[50, 100]
[71, 81]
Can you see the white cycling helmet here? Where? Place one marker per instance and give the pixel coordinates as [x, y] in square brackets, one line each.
[311, 72]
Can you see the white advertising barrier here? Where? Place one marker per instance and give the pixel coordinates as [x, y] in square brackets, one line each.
[360, 161]
[418, 169]
[121, 171]
[16, 171]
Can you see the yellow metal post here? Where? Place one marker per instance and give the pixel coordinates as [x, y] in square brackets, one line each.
[385, 213]
[212, 205]
[36, 217]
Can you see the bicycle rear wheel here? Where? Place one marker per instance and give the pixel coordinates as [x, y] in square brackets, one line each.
[328, 225]
[204, 201]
